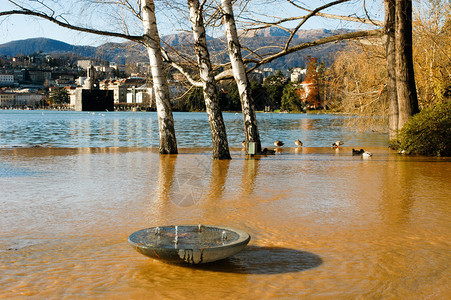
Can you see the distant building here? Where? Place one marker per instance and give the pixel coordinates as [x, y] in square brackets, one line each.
[71, 91]
[119, 90]
[298, 75]
[104, 68]
[141, 96]
[19, 99]
[6, 79]
[80, 81]
[38, 76]
[93, 100]
[20, 61]
[19, 75]
[90, 97]
[64, 80]
[128, 91]
[117, 67]
[85, 63]
[7, 99]
[266, 72]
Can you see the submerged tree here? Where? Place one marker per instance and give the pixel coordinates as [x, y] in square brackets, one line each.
[403, 101]
[217, 127]
[239, 72]
[151, 39]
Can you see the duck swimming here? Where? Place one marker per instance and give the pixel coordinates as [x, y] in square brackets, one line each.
[367, 154]
[278, 143]
[337, 144]
[265, 151]
[298, 143]
[357, 152]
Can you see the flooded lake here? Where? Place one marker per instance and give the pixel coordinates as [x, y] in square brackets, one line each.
[324, 224]
[140, 129]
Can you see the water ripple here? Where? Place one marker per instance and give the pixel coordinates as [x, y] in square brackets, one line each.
[139, 129]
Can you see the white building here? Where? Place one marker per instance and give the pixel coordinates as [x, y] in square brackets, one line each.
[139, 95]
[71, 91]
[130, 90]
[298, 75]
[6, 79]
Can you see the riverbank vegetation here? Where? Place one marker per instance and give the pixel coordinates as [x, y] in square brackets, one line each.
[428, 132]
[358, 80]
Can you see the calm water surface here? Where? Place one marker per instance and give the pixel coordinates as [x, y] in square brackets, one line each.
[139, 129]
[324, 224]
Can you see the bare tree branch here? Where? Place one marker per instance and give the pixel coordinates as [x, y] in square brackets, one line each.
[322, 41]
[180, 69]
[53, 19]
[309, 16]
[227, 74]
[367, 21]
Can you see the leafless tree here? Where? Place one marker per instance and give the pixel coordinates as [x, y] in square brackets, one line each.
[239, 72]
[217, 127]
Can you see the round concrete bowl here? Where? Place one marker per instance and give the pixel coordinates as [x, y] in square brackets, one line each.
[192, 244]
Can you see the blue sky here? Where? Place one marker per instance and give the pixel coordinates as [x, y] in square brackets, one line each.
[23, 27]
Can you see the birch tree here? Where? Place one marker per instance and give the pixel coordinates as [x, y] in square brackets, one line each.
[151, 39]
[216, 121]
[240, 75]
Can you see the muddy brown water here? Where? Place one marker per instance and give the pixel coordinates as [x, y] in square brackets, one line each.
[324, 224]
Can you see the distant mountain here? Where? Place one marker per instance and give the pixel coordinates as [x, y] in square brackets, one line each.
[30, 46]
[269, 39]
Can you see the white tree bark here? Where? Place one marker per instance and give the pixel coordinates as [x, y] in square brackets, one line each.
[168, 143]
[240, 75]
[217, 127]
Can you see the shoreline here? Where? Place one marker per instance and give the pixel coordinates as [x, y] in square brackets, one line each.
[236, 153]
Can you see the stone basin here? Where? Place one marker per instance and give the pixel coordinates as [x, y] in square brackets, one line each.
[192, 244]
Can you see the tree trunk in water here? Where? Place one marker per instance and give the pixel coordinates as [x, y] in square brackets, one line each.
[217, 127]
[240, 75]
[405, 81]
[391, 68]
[168, 142]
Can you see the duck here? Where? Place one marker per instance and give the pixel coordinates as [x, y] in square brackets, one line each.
[298, 143]
[265, 151]
[367, 154]
[279, 143]
[337, 144]
[243, 143]
[357, 152]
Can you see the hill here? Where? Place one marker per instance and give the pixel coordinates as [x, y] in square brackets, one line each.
[268, 39]
[33, 45]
